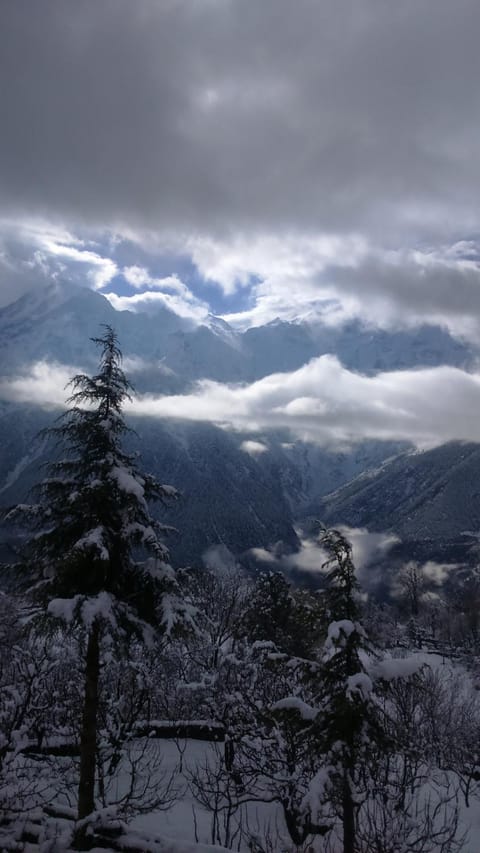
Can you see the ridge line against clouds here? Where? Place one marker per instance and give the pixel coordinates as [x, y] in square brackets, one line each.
[322, 402]
[331, 278]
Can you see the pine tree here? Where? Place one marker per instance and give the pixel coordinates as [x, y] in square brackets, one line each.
[349, 721]
[91, 521]
[269, 614]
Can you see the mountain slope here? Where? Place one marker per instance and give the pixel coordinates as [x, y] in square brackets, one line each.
[429, 494]
[56, 322]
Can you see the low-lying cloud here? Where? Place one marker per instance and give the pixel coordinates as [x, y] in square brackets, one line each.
[322, 402]
[311, 558]
[253, 448]
[44, 384]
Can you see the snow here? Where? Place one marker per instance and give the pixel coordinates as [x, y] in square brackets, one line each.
[359, 683]
[89, 609]
[63, 608]
[316, 790]
[343, 626]
[157, 569]
[93, 539]
[127, 482]
[99, 606]
[294, 703]
[165, 724]
[391, 668]
[253, 448]
[179, 822]
[174, 831]
[169, 491]
[159, 845]
[174, 613]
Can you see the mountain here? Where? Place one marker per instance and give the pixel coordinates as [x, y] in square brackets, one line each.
[55, 323]
[431, 493]
[430, 497]
[287, 346]
[229, 496]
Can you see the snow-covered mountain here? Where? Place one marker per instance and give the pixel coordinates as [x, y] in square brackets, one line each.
[57, 321]
[422, 494]
[429, 499]
[230, 496]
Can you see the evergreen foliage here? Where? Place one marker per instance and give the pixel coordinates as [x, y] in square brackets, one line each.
[91, 517]
[350, 725]
[291, 619]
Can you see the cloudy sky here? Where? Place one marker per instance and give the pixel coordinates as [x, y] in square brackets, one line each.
[256, 159]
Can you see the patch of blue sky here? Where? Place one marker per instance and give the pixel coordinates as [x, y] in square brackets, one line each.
[127, 254]
[220, 302]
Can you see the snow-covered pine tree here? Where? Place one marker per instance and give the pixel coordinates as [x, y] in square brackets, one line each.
[90, 519]
[349, 721]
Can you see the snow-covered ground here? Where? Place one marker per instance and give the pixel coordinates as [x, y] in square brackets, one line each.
[188, 820]
[188, 826]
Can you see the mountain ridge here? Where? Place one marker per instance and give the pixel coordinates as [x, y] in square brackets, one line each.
[246, 500]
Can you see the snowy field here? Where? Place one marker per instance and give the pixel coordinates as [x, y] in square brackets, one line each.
[202, 810]
[188, 820]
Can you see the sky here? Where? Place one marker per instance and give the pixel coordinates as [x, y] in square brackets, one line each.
[251, 159]
[316, 159]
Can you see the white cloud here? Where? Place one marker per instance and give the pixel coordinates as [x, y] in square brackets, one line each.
[136, 276]
[139, 277]
[321, 402]
[326, 403]
[437, 573]
[253, 448]
[367, 547]
[35, 252]
[185, 305]
[43, 385]
[102, 269]
[341, 277]
[135, 364]
[271, 257]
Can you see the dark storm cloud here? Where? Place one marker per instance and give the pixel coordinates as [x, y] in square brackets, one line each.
[360, 115]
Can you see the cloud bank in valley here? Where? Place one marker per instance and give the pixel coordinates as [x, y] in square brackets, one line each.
[322, 402]
[310, 558]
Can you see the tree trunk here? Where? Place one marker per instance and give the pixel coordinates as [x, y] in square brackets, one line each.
[88, 737]
[348, 817]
